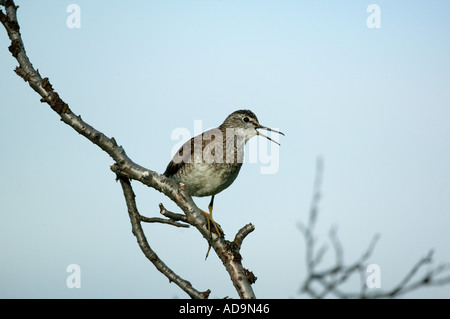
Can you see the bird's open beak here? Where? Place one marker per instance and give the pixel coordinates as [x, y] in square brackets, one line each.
[268, 129]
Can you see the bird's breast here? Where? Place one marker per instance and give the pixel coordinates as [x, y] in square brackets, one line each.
[207, 179]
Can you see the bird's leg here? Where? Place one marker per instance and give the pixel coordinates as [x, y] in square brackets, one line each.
[209, 220]
[217, 227]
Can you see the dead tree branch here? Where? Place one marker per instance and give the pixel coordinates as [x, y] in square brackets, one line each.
[172, 216]
[126, 169]
[136, 219]
[320, 283]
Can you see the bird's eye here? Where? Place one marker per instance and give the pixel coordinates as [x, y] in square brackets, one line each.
[245, 119]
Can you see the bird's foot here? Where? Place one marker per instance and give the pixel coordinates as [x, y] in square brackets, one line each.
[216, 229]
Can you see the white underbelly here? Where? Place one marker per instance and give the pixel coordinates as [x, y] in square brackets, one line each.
[203, 180]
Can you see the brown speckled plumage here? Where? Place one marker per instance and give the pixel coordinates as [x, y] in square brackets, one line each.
[208, 174]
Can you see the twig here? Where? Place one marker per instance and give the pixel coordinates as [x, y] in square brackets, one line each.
[172, 216]
[162, 221]
[242, 233]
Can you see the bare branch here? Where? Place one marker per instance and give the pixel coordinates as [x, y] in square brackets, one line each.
[125, 168]
[438, 276]
[320, 283]
[172, 216]
[162, 221]
[229, 254]
[135, 219]
[242, 233]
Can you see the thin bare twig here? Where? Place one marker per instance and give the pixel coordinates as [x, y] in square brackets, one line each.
[242, 233]
[162, 221]
[171, 215]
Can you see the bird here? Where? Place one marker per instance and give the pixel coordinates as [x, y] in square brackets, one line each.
[209, 163]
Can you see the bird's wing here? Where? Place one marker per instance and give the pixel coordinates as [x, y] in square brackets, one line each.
[180, 158]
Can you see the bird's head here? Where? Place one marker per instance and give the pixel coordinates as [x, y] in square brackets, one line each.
[246, 122]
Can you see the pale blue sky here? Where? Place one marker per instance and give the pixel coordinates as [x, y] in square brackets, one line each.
[374, 103]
